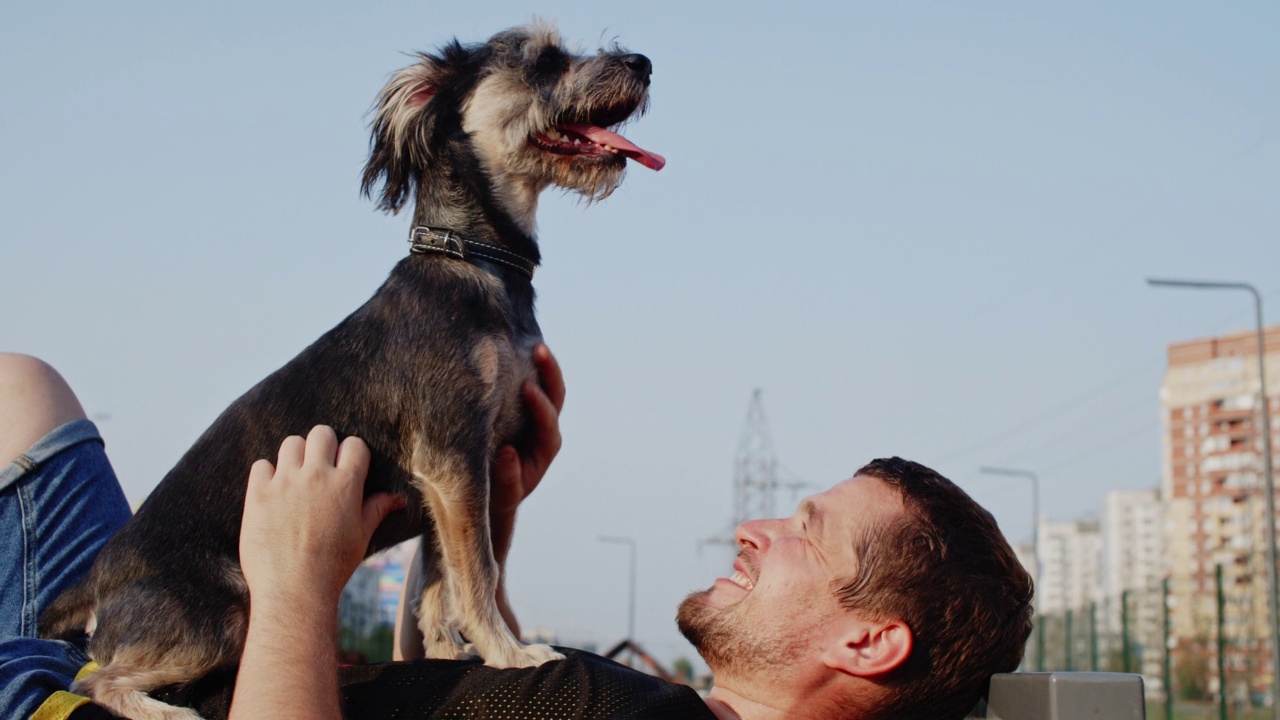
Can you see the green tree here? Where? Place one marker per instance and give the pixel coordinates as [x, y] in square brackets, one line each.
[374, 647]
[683, 670]
[1191, 672]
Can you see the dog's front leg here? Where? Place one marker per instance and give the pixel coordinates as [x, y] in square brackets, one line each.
[436, 605]
[457, 492]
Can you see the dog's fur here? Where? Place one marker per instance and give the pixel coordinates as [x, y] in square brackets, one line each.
[427, 372]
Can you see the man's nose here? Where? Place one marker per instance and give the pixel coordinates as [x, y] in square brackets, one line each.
[754, 533]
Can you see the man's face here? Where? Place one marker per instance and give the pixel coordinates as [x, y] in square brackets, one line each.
[778, 606]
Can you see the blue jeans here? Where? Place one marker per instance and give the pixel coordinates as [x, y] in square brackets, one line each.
[59, 503]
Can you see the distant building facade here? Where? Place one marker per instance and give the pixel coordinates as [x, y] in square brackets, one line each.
[1214, 504]
[1070, 554]
[372, 595]
[358, 610]
[1133, 570]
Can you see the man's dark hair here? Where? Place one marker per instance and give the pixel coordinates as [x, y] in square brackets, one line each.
[945, 569]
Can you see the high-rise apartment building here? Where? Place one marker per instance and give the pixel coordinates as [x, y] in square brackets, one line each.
[1069, 565]
[1214, 506]
[1133, 541]
[1133, 569]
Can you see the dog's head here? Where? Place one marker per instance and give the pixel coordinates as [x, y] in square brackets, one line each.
[528, 110]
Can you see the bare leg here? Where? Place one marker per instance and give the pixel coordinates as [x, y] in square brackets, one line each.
[34, 399]
[59, 500]
[59, 503]
[408, 638]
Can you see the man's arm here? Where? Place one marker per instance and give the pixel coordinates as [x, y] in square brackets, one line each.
[516, 472]
[305, 531]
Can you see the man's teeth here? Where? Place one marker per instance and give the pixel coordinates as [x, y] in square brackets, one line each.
[742, 580]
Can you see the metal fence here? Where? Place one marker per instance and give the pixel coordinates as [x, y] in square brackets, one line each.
[1219, 671]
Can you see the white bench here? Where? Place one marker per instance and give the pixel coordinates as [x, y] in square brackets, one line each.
[1066, 696]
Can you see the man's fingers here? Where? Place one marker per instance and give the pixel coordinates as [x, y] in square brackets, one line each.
[377, 507]
[292, 451]
[545, 415]
[322, 445]
[550, 375]
[261, 471]
[507, 491]
[353, 455]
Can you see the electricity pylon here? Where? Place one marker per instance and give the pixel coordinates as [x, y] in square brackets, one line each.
[756, 478]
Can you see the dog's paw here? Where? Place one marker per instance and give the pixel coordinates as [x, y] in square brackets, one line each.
[523, 656]
[446, 645]
[542, 653]
[468, 652]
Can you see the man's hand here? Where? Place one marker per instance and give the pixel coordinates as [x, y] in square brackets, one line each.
[306, 527]
[306, 522]
[517, 472]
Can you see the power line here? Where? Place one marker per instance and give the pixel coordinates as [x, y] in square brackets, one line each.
[1091, 422]
[1042, 418]
[1106, 445]
[1072, 404]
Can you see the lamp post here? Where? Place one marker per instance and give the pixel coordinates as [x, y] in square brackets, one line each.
[1267, 478]
[631, 606]
[1035, 544]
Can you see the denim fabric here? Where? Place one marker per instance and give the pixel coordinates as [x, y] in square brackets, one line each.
[31, 670]
[59, 503]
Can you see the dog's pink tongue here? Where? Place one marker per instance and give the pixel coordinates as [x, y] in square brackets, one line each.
[601, 136]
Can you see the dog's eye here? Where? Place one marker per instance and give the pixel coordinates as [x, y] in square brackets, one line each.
[550, 63]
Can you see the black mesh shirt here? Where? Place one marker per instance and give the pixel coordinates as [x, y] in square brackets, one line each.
[582, 686]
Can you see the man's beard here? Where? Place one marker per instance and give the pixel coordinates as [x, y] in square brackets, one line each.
[732, 645]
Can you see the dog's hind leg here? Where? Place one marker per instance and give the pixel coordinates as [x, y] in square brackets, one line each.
[152, 635]
[122, 687]
[458, 494]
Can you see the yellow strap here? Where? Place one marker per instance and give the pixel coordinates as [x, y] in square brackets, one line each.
[59, 706]
[89, 668]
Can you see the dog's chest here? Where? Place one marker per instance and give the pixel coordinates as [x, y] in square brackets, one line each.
[504, 364]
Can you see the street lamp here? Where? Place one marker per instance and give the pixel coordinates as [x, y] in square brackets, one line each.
[1267, 478]
[631, 607]
[1035, 543]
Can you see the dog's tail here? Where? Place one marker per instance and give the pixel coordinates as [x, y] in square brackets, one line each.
[67, 616]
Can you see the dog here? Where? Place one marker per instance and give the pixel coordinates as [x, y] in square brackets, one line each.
[427, 372]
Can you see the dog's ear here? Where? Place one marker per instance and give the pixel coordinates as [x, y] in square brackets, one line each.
[400, 145]
[409, 115]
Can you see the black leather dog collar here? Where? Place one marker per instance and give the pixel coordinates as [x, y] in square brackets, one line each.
[427, 239]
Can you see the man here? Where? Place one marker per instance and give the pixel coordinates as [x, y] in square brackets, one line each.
[890, 595]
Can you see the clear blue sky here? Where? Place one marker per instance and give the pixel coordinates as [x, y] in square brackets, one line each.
[922, 228]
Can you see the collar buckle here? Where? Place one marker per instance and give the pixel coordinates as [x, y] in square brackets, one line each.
[425, 239]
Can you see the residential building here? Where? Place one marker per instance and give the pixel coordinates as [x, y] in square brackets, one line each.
[1069, 565]
[1214, 504]
[1133, 571]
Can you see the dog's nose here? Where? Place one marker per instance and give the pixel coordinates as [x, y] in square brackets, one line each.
[639, 65]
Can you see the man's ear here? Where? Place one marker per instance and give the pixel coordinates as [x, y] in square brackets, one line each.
[867, 649]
